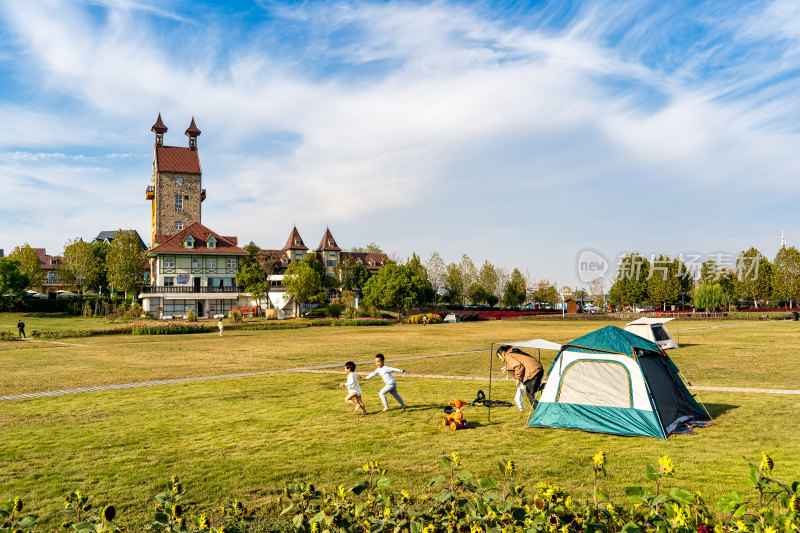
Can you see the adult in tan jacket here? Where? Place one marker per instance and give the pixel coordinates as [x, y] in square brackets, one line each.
[527, 371]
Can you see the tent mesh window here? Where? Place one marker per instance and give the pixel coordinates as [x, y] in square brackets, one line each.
[591, 382]
[659, 334]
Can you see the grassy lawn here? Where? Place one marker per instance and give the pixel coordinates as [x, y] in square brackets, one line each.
[246, 437]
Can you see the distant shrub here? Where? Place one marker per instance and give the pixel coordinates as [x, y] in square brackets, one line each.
[8, 336]
[81, 333]
[235, 315]
[320, 311]
[335, 310]
[191, 316]
[433, 318]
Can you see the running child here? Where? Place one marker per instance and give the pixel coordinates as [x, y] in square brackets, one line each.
[390, 386]
[353, 388]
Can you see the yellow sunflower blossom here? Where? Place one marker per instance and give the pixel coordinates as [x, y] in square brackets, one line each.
[667, 467]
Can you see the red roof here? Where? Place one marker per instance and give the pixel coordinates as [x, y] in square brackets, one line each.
[46, 261]
[367, 258]
[159, 126]
[295, 242]
[177, 159]
[328, 243]
[192, 130]
[200, 234]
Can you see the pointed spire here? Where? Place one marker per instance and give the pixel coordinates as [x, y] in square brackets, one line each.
[295, 242]
[159, 126]
[192, 130]
[328, 243]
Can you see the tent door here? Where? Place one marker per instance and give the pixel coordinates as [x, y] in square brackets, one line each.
[666, 395]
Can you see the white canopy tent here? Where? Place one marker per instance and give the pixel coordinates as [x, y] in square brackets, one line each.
[653, 329]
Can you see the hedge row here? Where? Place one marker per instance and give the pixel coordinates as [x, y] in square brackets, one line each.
[168, 328]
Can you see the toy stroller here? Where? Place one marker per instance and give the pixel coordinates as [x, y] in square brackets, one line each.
[453, 416]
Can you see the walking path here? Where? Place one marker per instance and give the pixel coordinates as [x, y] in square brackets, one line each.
[325, 369]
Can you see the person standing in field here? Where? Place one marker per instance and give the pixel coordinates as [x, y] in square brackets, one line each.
[390, 385]
[353, 388]
[219, 325]
[21, 328]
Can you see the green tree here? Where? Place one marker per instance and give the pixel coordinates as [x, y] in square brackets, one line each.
[630, 286]
[515, 290]
[29, 264]
[546, 292]
[98, 281]
[253, 281]
[78, 264]
[253, 250]
[484, 289]
[663, 284]
[125, 261]
[371, 248]
[415, 264]
[710, 296]
[455, 286]
[352, 275]
[394, 286]
[436, 273]
[12, 280]
[786, 275]
[753, 276]
[303, 280]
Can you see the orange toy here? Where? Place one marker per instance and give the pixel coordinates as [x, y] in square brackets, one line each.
[453, 416]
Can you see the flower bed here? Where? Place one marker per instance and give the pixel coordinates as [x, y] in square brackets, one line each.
[168, 328]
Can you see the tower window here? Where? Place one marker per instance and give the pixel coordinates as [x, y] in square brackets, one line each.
[179, 226]
[178, 181]
[178, 203]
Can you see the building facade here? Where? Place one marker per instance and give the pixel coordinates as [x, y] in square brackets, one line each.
[194, 269]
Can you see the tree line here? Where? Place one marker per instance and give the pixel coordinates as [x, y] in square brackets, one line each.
[751, 280]
[96, 266]
[399, 284]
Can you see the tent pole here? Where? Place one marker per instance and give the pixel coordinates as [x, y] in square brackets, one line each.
[491, 351]
[695, 394]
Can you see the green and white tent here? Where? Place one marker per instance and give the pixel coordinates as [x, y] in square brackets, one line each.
[613, 381]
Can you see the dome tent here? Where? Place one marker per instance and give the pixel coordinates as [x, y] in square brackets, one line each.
[653, 329]
[613, 381]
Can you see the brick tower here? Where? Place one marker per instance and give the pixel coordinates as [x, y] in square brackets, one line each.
[176, 191]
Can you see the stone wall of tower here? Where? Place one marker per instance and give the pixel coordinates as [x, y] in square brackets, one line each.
[166, 187]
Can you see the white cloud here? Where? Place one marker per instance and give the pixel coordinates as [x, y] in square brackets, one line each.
[462, 114]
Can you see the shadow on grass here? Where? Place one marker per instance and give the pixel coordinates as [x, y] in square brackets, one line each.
[687, 345]
[49, 315]
[717, 409]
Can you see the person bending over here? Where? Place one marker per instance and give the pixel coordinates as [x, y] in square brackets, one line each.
[528, 372]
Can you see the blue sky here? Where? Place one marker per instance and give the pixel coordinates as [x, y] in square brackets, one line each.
[516, 132]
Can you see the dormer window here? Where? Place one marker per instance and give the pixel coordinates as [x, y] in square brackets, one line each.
[360, 262]
[297, 242]
[189, 242]
[211, 242]
[330, 243]
[284, 260]
[372, 263]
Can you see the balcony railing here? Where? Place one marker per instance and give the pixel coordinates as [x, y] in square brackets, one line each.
[153, 289]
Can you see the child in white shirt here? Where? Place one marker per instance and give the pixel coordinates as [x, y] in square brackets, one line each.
[390, 384]
[353, 388]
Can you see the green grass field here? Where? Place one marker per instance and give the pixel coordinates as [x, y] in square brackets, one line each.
[246, 437]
